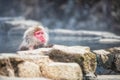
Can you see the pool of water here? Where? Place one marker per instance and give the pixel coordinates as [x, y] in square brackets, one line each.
[11, 42]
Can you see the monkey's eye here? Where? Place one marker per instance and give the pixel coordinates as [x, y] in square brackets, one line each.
[39, 33]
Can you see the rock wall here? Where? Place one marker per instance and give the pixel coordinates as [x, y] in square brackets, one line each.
[108, 61]
[61, 63]
[38, 64]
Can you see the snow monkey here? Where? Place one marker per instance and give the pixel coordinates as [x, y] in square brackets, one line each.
[33, 38]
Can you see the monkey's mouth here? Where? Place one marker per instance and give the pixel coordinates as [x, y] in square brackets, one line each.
[42, 39]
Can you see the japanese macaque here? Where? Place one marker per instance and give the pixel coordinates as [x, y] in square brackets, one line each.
[33, 38]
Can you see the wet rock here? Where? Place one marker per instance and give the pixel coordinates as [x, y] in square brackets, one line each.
[16, 58]
[17, 64]
[59, 53]
[116, 52]
[117, 62]
[61, 63]
[6, 68]
[79, 54]
[104, 57]
[108, 60]
[62, 71]
[28, 69]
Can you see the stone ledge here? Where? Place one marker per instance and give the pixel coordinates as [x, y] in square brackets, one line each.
[108, 61]
[60, 62]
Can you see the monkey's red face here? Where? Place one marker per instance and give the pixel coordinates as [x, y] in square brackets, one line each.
[40, 35]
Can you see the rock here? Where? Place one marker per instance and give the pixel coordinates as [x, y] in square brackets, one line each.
[28, 69]
[79, 54]
[21, 57]
[116, 52]
[108, 60]
[61, 63]
[62, 71]
[104, 62]
[104, 57]
[35, 65]
[11, 62]
[117, 62]
[6, 68]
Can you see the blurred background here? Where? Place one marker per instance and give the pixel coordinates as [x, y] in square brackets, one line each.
[93, 23]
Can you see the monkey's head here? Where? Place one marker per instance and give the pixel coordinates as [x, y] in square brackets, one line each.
[35, 37]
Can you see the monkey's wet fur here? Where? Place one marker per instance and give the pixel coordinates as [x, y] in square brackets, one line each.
[34, 37]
